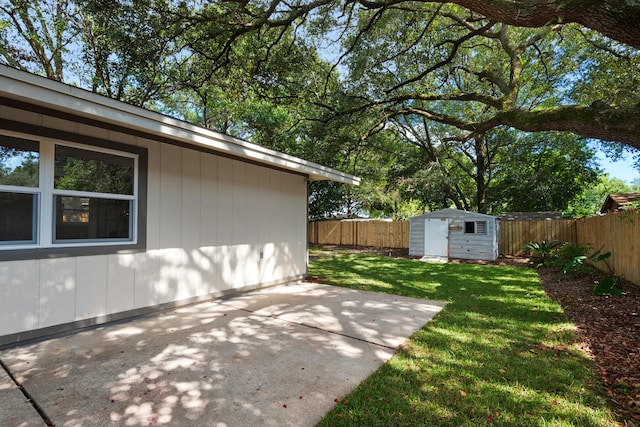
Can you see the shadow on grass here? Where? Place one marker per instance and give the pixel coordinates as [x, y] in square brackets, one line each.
[500, 353]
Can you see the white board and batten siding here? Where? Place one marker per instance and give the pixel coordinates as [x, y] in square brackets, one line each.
[482, 244]
[215, 224]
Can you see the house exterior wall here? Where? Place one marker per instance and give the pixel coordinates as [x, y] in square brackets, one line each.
[214, 225]
[461, 244]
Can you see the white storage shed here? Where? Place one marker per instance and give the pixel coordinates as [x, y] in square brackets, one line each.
[452, 233]
[109, 211]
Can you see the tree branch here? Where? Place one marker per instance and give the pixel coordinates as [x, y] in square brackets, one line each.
[617, 19]
[598, 121]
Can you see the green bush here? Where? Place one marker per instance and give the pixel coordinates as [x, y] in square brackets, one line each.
[542, 252]
[573, 257]
[567, 258]
[568, 251]
[608, 286]
[595, 257]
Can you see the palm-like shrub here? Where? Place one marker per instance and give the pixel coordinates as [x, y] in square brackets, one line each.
[541, 252]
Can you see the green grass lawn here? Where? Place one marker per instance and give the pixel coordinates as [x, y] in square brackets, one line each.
[500, 353]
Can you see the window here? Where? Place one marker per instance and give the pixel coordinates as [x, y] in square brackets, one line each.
[60, 194]
[93, 195]
[19, 189]
[475, 227]
[16, 217]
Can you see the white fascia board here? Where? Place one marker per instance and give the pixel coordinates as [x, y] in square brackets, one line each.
[38, 90]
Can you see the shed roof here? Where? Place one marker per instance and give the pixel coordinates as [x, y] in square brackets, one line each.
[443, 213]
[616, 200]
[38, 91]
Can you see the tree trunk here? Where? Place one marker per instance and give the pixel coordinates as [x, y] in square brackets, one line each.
[481, 170]
[617, 19]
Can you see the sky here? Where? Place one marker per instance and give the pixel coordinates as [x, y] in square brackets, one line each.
[622, 169]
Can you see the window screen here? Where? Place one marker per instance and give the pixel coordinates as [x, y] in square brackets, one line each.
[475, 227]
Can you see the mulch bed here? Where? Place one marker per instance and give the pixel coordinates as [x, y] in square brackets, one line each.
[609, 331]
[608, 327]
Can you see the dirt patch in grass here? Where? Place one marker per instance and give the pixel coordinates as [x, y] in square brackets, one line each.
[609, 328]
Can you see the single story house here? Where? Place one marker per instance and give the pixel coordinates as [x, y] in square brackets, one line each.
[614, 202]
[109, 211]
[452, 233]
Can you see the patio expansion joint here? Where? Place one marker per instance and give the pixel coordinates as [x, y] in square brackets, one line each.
[28, 396]
[329, 331]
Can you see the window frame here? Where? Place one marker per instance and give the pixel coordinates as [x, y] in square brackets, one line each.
[18, 189]
[90, 194]
[44, 217]
[35, 229]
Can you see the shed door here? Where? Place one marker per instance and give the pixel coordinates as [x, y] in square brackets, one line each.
[436, 237]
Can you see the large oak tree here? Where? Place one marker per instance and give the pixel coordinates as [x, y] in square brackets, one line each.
[224, 24]
[617, 22]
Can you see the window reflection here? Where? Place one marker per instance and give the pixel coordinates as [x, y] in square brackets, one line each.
[81, 218]
[19, 161]
[92, 171]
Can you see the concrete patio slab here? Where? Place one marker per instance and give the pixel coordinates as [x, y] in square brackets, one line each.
[274, 357]
[15, 409]
[383, 319]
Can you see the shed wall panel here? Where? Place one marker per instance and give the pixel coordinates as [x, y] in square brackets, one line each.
[170, 273]
[225, 201]
[19, 305]
[265, 216]
[120, 283]
[190, 200]
[146, 265]
[209, 201]
[154, 192]
[252, 208]
[170, 212]
[91, 287]
[57, 302]
[239, 203]
[416, 236]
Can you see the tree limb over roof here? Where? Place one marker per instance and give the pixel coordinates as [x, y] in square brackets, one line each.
[617, 19]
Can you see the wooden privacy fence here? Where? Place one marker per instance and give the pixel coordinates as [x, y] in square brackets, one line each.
[382, 234]
[515, 234]
[618, 233]
[395, 234]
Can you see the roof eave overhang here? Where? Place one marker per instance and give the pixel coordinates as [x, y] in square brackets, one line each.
[40, 91]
